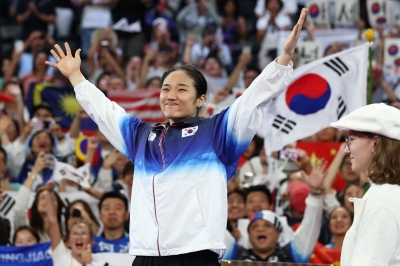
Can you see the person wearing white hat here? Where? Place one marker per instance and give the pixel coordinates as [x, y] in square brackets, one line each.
[374, 148]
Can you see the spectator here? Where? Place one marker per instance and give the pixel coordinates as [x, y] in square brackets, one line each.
[25, 236]
[35, 15]
[193, 18]
[133, 73]
[5, 227]
[77, 212]
[64, 17]
[340, 220]
[236, 211]
[117, 83]
[210, 45]
[104, 55]
[39, 219]
[352, 190]
[38, 73]
[153, 83]
[161, 36]
[103, 81]
[95, 15]
[113, 213]
[268, 27]
[234, 27]
[214, 73]
[128, 15]
[79, 239]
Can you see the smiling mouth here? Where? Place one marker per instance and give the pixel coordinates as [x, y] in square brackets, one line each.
[79, 245]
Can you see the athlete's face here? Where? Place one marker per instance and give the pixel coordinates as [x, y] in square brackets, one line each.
[178, 97]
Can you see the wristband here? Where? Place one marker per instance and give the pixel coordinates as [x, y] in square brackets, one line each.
[32, 175]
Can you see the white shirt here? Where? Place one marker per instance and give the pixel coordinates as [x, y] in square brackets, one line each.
[95, 17]
[374, 237]
[271, 38]
[62, 256]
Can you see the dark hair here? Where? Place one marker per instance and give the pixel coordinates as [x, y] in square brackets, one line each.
[115, 76]
[259, 188]
[42, 106]
[53, 143]
[221, 7]
[102, 75]
[252, 68]
[349, 212]
[239, 192]
[279, 1]
[3, 151]
[128, 168]
[342, 195]
[150, 80]
[199, 82]
[36, 219]
[32, 230]
[35, 56]
[113, 195]
[86, 207]
[212, 55]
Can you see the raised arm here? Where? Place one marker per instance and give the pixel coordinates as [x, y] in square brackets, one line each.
[54, 227]
[243, 119]
[118, 127]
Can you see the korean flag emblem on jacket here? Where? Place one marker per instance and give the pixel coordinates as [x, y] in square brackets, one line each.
[189, 131]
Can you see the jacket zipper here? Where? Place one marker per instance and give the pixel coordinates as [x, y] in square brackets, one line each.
[154, 195]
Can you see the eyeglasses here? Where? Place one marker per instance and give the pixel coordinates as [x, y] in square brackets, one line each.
[349, 142]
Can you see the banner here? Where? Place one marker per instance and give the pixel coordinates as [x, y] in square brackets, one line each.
[391, 55]
[80, 175]
[111, 259]
[378, 12]
[346, 13]
[347, 37]
[308, 52]
[318, 14]
[114, 246]
[320, 93]
[36, 255]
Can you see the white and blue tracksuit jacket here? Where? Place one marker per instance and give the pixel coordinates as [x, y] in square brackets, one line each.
[178, 202]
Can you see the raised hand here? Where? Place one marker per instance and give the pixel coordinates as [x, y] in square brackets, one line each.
[68, 65]
[316, 178]
[291, 40]
[87, 255]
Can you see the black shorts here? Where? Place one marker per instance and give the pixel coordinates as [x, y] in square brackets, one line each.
[198, 258]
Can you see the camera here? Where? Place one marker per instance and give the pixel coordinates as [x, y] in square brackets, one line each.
[76, 213]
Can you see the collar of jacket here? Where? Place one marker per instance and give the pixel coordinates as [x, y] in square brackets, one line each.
[186, 122]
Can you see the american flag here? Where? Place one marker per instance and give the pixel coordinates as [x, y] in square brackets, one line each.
[143, 104]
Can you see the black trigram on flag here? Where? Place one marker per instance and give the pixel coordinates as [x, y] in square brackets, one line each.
[341, 107]
[337, 65]
[282, 124]
[6, 205]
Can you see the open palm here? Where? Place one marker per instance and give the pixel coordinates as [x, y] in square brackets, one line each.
[66, 63]
[291, 40]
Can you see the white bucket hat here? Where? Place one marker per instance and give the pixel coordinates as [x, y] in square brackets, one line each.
[378, 118]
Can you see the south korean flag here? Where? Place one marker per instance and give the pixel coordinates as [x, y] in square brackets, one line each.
[189, 131]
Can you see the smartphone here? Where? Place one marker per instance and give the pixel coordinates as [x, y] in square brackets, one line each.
[18, 46]
[288, 154]
[246, 49]
[248, 177]
[37, 124]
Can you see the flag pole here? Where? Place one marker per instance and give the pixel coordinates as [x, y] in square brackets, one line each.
[369, 35]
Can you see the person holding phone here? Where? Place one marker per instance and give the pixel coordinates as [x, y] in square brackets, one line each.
[188, 159]
[374, 146]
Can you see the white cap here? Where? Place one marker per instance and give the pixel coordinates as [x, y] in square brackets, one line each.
[377, 118]
[160, 20]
